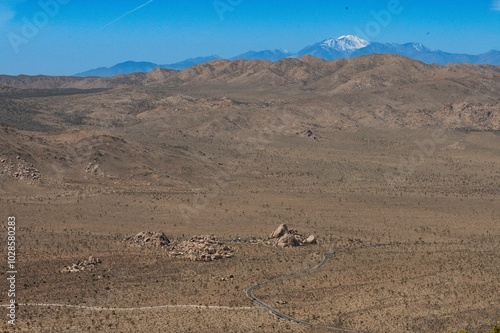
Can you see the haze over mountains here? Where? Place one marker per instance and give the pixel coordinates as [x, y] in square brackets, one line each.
[329, 49]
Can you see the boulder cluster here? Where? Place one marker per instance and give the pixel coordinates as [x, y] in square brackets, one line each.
[284, 237]
[149, 239]
[94, 168]
[200, 248]
[86, 265]
[20, 169]
[203, 248]
[209, 248]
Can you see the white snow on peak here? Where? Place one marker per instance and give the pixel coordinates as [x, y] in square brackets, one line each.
[420, 47]
[345, 43]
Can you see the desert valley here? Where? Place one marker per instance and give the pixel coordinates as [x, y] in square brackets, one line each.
[146, 202]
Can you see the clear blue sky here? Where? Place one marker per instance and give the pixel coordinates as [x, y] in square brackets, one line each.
[77, 35]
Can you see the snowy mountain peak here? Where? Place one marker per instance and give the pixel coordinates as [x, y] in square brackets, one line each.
[420, 47]
[345, 43]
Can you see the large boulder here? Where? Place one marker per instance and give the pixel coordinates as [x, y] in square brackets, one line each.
[280, 231]
[310, 240]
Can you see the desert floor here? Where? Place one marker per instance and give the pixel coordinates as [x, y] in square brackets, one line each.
[438, 220]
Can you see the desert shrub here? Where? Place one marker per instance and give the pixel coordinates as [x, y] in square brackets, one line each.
[495, 329]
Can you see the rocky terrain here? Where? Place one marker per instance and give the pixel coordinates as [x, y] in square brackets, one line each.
[149, 239]
[203, 248]
[80, 266]
[388, 165]
[199, 248]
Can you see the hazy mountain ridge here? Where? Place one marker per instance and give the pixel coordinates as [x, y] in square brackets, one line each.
[129, 67]
[270, 55]
[329, 49]
[364, 72]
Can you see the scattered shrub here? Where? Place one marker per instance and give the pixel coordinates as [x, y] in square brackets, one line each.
[495, 329]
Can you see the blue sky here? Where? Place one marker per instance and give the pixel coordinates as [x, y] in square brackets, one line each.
[63, 37]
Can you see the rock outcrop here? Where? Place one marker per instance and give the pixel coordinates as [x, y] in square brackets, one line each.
[284, 237]
[200, 248]
[19, 169]
[86, 265]
[149, 239]
[287, 240]
[280, 231]
[203, 248]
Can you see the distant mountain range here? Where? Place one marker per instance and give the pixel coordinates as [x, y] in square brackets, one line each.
[129, 67]
[330, 49]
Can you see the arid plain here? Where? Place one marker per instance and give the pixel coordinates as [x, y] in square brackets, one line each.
[392, 164]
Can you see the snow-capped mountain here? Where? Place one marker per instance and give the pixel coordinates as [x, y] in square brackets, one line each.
[334, 48]
[329, 49]
[345, 43]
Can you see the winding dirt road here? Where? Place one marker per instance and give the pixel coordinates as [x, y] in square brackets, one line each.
[249, 292]
[327, 256]
[283, 316]
[141, 308]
